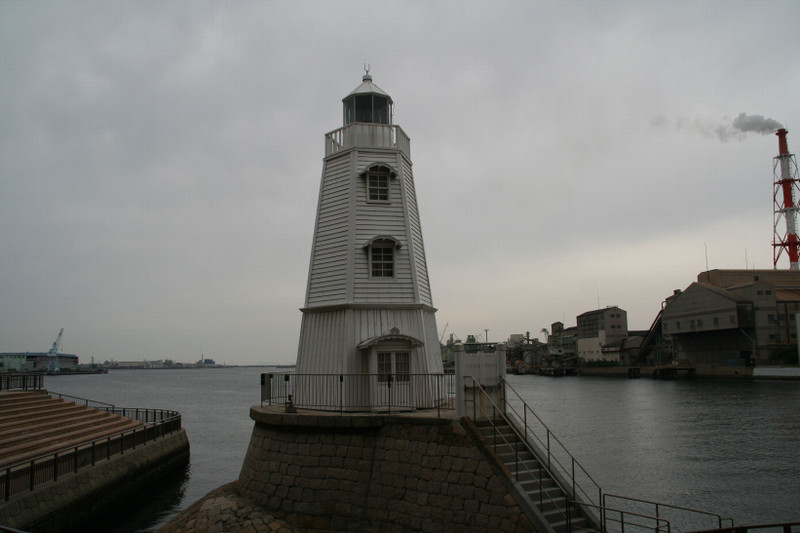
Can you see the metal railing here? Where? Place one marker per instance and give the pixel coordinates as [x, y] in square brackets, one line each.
[781, 527]
[493, 408]
[627, 519]
[554, 453]
[21, 381]
[359, 392]
[506, 407]
[367, 135]
[28, 474]
[680, 513]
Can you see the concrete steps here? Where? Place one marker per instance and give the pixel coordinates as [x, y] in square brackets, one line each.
[33, 424]
[537, 484]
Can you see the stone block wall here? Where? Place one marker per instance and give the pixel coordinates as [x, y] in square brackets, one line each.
[375, 473]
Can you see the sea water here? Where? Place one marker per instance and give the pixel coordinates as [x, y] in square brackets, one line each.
[730, 447]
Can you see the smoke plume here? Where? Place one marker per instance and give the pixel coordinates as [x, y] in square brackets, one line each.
[725, 129]
[756, 123]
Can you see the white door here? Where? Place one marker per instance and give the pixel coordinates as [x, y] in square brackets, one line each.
[393, 380]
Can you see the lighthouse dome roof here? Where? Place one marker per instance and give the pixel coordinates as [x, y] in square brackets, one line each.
[367, 87]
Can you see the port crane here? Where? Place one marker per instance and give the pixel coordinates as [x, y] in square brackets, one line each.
[53, 353]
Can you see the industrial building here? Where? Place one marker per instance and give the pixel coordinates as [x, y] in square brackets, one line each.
[38, 361]
[600, 328]
[734, 317]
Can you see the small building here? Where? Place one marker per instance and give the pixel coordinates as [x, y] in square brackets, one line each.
[562, 341]
[600, 328]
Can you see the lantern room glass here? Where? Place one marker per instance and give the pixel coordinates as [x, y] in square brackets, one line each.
[369, 108]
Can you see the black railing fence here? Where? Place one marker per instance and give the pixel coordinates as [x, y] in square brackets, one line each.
[21, 381]
[27, 475]
[359, 392]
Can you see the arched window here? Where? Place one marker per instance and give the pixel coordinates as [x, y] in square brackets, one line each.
[381, 252]
[381, 259]
[378, 184]
[377, 180]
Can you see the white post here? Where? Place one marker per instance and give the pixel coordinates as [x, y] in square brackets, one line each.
[500, 350]
[458, 355]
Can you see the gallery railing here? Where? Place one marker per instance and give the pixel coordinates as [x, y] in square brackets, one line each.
[21, 381]
[27, 475]
[359, 392]
[367, 134]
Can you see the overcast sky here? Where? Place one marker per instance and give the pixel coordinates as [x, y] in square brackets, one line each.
[160, 161]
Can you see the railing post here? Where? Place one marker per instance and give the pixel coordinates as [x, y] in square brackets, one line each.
[574, 495]
[76, 460]
[8, 484]
[265, 392]
[500, 354]
[438, 396]
[458, 355]
[32, 473]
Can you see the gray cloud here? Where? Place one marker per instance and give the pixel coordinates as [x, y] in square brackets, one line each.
[160, 163]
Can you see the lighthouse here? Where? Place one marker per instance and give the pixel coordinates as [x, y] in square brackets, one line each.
[368, 307]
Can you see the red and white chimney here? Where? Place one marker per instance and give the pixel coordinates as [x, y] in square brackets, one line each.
[786, 193]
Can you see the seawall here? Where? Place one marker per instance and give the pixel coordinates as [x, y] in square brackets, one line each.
[314, 471]
[66, 503]
[701, 371]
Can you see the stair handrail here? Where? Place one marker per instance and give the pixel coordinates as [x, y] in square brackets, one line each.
[659, 506]
[550, 445]
[661, 525]
[79, 400]
[600, 504]
[570, 498]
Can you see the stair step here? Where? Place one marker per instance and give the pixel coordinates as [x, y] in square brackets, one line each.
[38, 430]
[578, 523]
[34, 424]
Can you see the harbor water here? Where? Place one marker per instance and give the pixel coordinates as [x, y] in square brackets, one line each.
[730, 447]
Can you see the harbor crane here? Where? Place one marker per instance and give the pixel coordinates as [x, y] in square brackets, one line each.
[53, 354]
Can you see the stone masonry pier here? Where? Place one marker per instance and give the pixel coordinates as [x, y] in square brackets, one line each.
[317, 471]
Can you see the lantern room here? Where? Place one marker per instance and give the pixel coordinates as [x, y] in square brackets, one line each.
[367, 103]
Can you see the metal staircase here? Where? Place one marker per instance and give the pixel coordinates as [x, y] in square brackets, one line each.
[554, 490]
[553, 506]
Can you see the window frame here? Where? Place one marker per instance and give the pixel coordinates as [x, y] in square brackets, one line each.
[385, 247]
[378, 182]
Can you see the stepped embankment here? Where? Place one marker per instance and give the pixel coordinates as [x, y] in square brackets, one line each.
[62, 463]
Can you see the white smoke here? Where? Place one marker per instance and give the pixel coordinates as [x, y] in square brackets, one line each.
[726, 129]
[756, 123]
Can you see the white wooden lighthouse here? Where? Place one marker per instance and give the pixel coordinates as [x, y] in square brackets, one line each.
[368, 306]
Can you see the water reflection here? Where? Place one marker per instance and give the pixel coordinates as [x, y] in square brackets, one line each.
[723, 446]
[146, 509]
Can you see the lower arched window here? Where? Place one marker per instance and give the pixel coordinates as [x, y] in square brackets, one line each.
[381, 258]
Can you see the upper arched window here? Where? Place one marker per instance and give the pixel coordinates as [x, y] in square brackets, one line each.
[377, 182]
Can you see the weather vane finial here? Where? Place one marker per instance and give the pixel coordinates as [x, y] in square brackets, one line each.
[366, 69]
